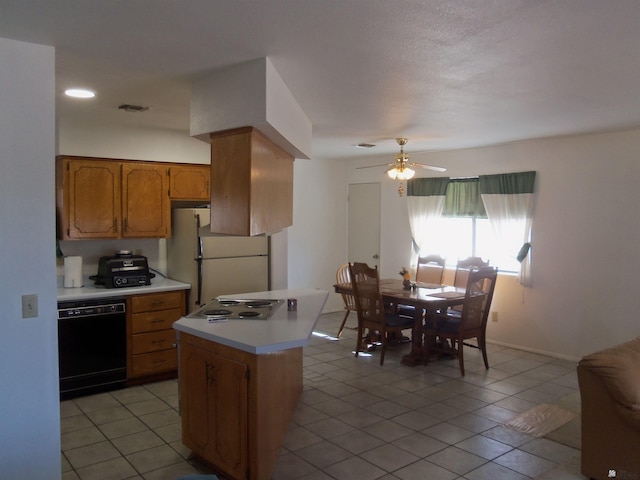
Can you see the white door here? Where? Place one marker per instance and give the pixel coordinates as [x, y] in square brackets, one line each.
[364, 223]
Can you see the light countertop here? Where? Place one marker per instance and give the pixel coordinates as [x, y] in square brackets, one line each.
[285, 329]
[89, 290]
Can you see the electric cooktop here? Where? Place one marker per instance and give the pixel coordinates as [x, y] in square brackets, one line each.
[220, 310]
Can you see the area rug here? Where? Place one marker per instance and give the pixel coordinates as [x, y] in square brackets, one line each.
[541, 420]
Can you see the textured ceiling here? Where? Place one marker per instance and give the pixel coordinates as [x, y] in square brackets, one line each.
[445, 74]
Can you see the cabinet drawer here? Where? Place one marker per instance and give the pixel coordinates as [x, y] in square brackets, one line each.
[150, 342]
[154, 362]
[152, 321]
[156, 301]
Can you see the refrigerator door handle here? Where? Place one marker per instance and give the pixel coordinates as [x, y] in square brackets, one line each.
[199, 286]
[199, 261]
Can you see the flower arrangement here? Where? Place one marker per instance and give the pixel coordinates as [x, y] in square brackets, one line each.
[406, 278]
[404, 273]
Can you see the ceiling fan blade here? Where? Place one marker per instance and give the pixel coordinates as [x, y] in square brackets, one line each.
[373, 166]
[429, 167]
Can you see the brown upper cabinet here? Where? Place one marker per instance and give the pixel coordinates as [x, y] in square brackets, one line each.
[146, 207]
[88, 198]
[189, 182]
[251, 184]
[100, 198]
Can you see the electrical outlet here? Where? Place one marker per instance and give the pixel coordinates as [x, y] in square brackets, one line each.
[29, 306]
[494, 316]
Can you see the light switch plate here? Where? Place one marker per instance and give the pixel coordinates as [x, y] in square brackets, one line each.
[29, 306]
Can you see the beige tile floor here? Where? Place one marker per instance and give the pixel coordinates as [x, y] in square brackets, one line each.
[354, 420]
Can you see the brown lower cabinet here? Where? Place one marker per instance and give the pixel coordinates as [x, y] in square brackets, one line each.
[236, 406]
[151, 340]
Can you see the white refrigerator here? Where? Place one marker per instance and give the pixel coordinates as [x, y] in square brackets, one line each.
[214, 265]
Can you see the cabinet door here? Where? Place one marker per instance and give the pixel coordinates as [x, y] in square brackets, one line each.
[214, 408]
[195, 405]
[92, 197]
[189, 182]
[146, 208]
[228, 380]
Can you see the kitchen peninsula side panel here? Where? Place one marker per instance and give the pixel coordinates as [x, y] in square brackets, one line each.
[237, 406]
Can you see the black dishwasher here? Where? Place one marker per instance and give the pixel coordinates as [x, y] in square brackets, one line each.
[92, 346]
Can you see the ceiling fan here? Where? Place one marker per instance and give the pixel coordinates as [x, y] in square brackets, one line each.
[402, 169]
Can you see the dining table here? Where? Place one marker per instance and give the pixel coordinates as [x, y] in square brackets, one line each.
[423, 297]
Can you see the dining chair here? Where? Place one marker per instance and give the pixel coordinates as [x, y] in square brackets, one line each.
[462, 274]
[447, 332]
[430, 269]
[372, 312]
[343, 276]
[462, 269]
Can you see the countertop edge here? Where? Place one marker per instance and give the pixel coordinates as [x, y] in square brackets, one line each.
[91, 291]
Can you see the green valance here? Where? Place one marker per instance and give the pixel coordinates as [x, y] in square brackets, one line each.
[427, 187]
[463, 199]
[507, 183]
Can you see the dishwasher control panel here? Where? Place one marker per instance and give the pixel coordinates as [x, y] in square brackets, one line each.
[88, 310]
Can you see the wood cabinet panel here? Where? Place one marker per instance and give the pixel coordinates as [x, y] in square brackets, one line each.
[146, 208]
[151, 340]
[157, 301]
[190, 182]
[153, 363]
[154, 320]
[215, 414]
[251, 183]
[236, 406]
[109, 198]
[88, 197]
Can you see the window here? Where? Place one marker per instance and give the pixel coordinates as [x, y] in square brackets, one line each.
[488, 217]
[463, 237]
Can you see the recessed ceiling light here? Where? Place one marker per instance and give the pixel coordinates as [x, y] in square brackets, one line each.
[79, 93]
[365, 145]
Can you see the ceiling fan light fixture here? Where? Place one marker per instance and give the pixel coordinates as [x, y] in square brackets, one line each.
[406, 174]
[400, 173]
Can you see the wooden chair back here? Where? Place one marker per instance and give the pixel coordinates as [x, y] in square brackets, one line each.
[343, 276]
[464, 266]
[368, 300]
[430, 269]
[372, 314]
[481, 284]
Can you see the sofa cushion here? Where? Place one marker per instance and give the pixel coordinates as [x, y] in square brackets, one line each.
[619, 368]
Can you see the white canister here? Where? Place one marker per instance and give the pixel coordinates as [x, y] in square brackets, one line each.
[72, 272]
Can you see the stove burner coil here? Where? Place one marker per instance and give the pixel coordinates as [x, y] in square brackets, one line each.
[217, 313]
[227, 303]
[248, 314]
[258, 303]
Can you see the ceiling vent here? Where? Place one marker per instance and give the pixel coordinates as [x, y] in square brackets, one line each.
[132, 108]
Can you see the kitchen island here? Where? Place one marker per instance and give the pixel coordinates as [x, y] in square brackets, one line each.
[240, 381]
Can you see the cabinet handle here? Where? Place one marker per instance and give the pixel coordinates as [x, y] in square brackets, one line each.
[157, 320]
[157, 302]
[211, 373]
[158, 342]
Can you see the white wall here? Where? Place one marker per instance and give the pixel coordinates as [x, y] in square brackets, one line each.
[29, 404]
[317, 239]
[129, 142]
